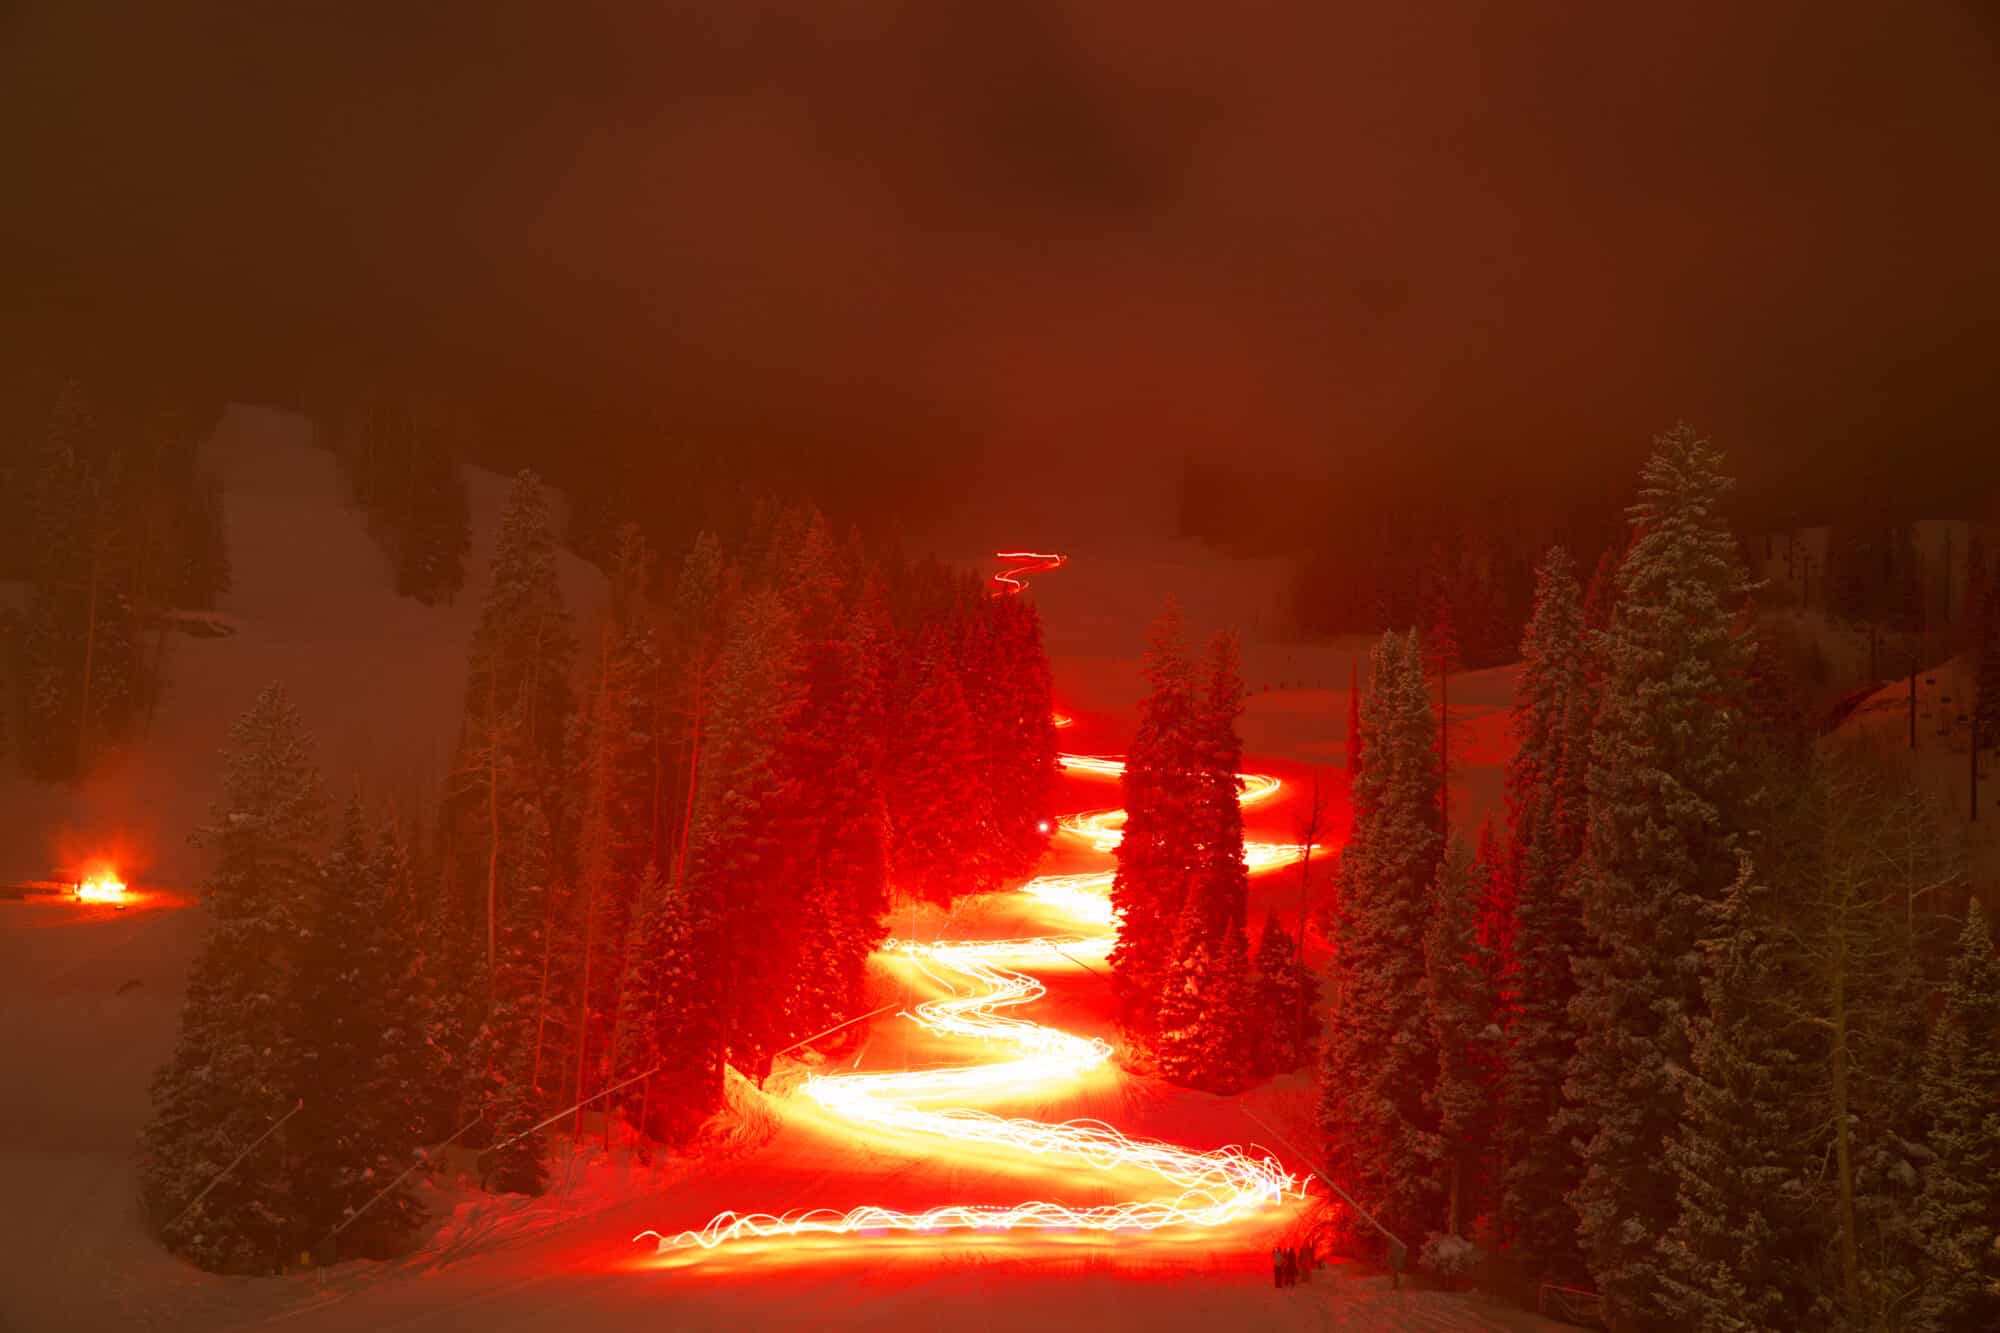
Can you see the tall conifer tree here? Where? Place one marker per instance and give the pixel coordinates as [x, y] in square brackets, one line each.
[1958, 1213]
[233, 1073]
[1741, 1256]
[1545, 798]
[1157, 854]
[1666, 807]
[1459, 995]
[1380, 1058]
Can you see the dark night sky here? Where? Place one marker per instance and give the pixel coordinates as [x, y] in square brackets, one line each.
[1343, 238]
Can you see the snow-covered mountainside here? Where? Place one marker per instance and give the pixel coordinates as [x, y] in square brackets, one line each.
[89, 998]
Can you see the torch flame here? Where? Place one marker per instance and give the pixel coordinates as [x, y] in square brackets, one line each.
[101, 887]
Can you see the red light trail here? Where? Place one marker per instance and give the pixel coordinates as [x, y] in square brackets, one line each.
[983, 978]
[1009, 581]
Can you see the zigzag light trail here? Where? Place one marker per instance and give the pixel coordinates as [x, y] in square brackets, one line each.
[1199, 1189]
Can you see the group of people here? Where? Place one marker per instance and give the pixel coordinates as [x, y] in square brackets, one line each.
[1292, 1264]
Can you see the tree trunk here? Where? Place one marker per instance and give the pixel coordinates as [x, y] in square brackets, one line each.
[694, 769]
[542, 999]
[492, 827]
[593, 872]
[1843, 1153]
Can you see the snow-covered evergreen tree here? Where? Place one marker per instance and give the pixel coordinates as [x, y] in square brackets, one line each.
[1745, 1252]
[935, 855]
[1220, 883]
[669, 1023]
[830, 772]
[1286, 1007]
[1459, 996]
[431, 522]
[1157, 853]
[616, 749]
[741, 847]
[232, 1076]
[1545, 796]
[1666, 805]
[1207, 1034]
[347, 1048]
[1204, 1031]
[516, 705]
[516, 1048]
[1958, 1212]
[1353, 753]
[1379, 1057]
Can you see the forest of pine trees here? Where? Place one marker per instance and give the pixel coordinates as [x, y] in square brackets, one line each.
[402, 471]
[1702, 1033]
[1189, 991]
[105, 512]
[1702, 1030]
[671, 833]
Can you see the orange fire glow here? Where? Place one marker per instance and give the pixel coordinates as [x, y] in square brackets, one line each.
[101, 886]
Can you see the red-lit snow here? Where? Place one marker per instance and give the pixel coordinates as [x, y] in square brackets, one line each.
[89, 997]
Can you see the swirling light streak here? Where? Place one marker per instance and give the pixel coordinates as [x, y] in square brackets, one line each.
[1205, 1189]
[1010, 581]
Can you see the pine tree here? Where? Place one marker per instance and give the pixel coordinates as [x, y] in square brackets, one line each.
[615, 746]
[1205, 1025]
[81, 673]
[935, 848]
[1600, 598]
[514, 1050]
[1353, 742]
[1545, 796]
[669, 1021]
[1220, 882]
[1442, 657]
[1459, 997]
[404, 1067]
[1379, 1057]
[741, 846]
[1860, 852]
[505, 818]
[346, 1048]
[1205, 1039]
[433, 526]
[1958, 1212]
[830, 775]
[1018, 712]
[232, 1074]
[1286, 1005]
[1157, 853]
[1495, 894]
[1744, 1254]
[516, 706]
[1666, 806]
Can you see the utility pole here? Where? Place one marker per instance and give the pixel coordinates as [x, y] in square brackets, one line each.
[1913, 697]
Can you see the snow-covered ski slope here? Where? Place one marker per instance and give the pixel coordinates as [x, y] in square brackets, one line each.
[89, 998]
